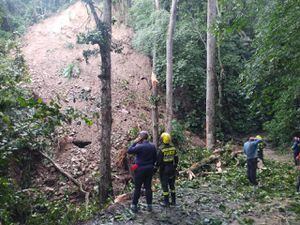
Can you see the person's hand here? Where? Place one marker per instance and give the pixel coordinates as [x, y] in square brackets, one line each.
[138, 139]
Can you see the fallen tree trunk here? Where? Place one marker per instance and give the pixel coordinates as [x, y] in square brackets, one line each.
[215, 158]
[69, 176]
[196, 166]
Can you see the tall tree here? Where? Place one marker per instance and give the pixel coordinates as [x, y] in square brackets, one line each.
[211, 75]
[157, 4]
[169, 78]
[103, 28]
[154, 87]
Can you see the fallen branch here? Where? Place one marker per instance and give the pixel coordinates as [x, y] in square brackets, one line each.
[210, 173]
[191, 175]
[70, 177]
[237, 162]
[123, 198]
[204, 162]
[235, 153]
[196, 166]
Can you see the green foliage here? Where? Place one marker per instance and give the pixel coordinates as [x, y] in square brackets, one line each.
[33, 208]
[16, 15]
[189, 156]
[190, 60]
[177, 134]
[133, 132]
[71, 71]
[272, 76]
[258, 49]
[92, 37]
[150, 25]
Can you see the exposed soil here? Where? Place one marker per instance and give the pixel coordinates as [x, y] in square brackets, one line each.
[49, 47]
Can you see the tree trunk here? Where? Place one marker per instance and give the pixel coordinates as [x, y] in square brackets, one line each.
[157, 4]
[104, 27]
[154, 82]
[154, 108]
[169, 78]
[220, 79]
[105, 182]
[211, 75]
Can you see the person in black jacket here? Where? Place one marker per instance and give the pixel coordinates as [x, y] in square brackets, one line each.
[167, 161]
[146, 156]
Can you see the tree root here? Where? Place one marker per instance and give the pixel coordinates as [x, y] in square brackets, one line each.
[70, 177]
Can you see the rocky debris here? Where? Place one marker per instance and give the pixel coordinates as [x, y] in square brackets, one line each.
[124, 111]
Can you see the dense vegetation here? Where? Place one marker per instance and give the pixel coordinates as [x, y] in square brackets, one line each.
[258, 90]
[258, 63]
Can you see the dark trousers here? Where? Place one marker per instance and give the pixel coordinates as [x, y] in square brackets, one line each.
[251, 170]
[297, 162]
[166, 182]
[260, 155]
[295, 159]
[167, 179]
[298, 184]
[142, 175]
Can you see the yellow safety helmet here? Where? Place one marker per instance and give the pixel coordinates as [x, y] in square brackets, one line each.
[258, 137]
[166, 138]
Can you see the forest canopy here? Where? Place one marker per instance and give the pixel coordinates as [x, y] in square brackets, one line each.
[258, 63]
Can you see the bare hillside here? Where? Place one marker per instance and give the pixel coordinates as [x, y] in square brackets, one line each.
[50, 48]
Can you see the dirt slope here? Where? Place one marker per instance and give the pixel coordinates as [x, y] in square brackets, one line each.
[49, 47]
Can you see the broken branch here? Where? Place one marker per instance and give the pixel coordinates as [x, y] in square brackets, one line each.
[69, 176]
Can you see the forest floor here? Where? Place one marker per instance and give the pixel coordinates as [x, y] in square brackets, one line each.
[50, 49]
[219, 200]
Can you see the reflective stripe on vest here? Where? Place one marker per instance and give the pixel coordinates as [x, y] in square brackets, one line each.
[168, 154]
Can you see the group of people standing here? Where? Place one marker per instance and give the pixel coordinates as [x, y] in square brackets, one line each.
[148, 161]
[253, 149]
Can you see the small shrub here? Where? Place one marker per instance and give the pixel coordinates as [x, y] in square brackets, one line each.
[71, 71]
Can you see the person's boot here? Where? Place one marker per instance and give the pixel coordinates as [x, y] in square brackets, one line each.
[166, 203]
[173, 199]
[134, 208]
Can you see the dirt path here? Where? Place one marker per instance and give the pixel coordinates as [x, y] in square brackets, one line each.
[277, 156]
[49, 47]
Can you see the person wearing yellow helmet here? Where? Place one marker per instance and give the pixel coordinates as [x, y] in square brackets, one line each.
[167, 161]
[165, 138]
